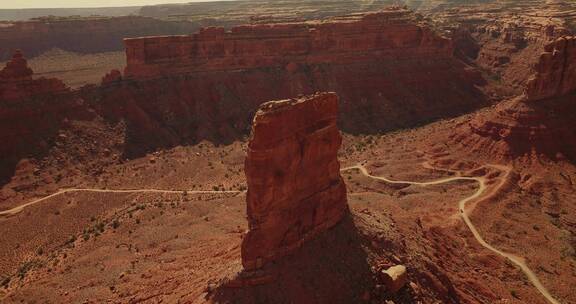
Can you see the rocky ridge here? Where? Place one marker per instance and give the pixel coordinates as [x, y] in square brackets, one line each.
[504, 37]
[287, 45]
[31, 112]
[536, 123]
[555, 72]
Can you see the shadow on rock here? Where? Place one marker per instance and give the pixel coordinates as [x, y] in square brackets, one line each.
[332, 268]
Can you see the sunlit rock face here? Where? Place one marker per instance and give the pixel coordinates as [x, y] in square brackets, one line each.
[556, 70]
[295, 190]
[537, 123]
[387, 34]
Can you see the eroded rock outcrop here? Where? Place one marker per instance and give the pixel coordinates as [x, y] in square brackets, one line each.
[505, 37]
[539, 122]
[555, 71]
[295, 190]
[375, 35]
[113, 76]
[16, 69]
[31, 112]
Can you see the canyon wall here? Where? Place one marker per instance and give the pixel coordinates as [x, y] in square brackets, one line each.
[538, 123]
[505, 38]
[555, 72]
[346, 40]
[82, 35]
[389, 70]
[295, 190]
[31, 112]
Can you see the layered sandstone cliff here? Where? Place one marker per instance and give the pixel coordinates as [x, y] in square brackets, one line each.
[16, 81]
[389, 69]
[295, 190]
[555, 71]
[539, 122]
[345, 40]
[505, 37]
[31, 112]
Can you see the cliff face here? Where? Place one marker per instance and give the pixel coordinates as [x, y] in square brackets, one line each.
[538, 123]
[82, 35]
[224, 13]
[31, 112]
[346, 40]
[389, 70]
[555, 71]
[295, 190]
[505, 37]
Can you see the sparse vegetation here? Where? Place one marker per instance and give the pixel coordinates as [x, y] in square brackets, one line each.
[27, 266]
[5, 282]
[515, 294]
[71, 240]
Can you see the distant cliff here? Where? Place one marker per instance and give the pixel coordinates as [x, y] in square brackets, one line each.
[29, 13]
[229, 13]
[83, 35]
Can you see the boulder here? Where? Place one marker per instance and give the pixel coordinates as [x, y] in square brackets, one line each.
[395, 278]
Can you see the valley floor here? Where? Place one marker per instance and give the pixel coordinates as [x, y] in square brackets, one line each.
[180, 243]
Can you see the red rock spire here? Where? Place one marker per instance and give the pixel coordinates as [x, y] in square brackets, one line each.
[295, 190]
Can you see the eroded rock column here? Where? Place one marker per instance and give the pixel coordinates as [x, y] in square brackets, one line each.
[295, 190]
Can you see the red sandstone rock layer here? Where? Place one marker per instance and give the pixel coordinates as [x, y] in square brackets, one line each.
[555, 71]
[295, 190]
[16, 81]
[344, 40]
[540, 122]
[517, 128]
[505, 37]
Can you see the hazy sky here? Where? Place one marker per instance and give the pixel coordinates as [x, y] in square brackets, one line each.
[83, 3]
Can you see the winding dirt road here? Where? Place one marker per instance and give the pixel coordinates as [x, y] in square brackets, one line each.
[16, 210]
[518, 261]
